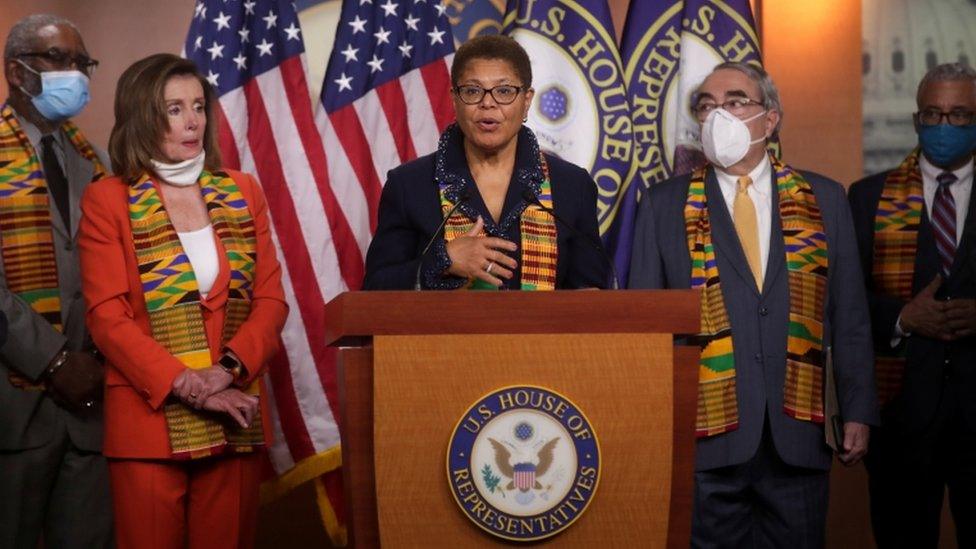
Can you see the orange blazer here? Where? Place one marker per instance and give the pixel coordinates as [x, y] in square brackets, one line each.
[139, 371]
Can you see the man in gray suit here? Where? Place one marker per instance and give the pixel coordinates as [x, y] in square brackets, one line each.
[774, 252]
[54, 479]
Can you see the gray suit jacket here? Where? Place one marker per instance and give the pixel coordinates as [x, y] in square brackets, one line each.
[759, 321]
[29, 419]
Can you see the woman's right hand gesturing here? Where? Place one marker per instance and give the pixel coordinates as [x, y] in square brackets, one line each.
[481, 257]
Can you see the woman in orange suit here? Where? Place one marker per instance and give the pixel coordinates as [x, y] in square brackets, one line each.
[184, 299]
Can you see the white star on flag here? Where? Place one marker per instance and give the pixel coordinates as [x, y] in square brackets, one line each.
[350, 53]
[212, 78]
[358, 25]
[292, 31]
[436, 37]
[405, 49]
[223, 21]
[216, 50]
[241, 61]
[412, 21]
[345, 82]
[376, 64]
[271, 19]
[389, 8]
[264, 47]
[382, 36]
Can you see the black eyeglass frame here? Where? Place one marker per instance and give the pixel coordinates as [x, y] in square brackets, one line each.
[487, 91]
[61, 59]
[968, 117]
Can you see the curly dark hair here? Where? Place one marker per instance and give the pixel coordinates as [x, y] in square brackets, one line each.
[492, 46]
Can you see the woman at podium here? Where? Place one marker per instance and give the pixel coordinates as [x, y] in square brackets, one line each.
[488, 209]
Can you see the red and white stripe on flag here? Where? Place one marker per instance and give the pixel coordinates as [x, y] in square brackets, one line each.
[322, 188]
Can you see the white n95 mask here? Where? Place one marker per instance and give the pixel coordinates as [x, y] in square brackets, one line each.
[725, 138]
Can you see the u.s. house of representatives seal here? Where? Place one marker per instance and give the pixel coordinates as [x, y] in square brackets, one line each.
[523, 463]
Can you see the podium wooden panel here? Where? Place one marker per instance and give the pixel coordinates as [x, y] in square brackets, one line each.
[434, 354]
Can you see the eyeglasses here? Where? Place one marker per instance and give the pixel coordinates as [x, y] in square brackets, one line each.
[64, 60]
[933, 117]
[736, 106]
[472, 95]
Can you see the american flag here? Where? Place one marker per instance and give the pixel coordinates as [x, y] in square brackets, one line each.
[385, 99]
[252, 53]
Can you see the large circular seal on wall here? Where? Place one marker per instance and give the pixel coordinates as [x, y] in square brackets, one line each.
[523, 463]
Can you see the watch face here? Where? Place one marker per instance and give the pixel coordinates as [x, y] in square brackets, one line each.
[228, 363]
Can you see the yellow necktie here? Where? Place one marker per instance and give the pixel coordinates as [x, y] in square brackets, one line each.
[747, 227]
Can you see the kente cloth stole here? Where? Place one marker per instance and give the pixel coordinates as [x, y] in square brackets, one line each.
[806, 260]
[172, 297]
[539, 247]
[896, 224]
[26, 237]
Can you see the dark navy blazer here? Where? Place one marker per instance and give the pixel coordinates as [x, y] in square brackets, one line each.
[759, 320]
[937, 373]
[410, 213]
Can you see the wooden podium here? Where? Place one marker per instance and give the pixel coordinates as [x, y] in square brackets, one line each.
[412, 363]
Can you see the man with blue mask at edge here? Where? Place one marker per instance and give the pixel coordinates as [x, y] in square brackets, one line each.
[53, 477]
[916, 227]
[773, 251]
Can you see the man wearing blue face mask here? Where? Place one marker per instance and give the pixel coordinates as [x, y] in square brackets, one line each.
[53, 477]
[773, 251]
[916, 228]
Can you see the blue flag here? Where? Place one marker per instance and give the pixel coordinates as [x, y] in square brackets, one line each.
[581, 111]
[668, 49]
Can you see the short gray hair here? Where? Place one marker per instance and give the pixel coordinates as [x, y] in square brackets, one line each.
[946, 72]
[767, 89]
[23, 34]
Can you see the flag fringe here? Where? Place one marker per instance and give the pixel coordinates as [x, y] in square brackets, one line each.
[308, 469]
[337, 532]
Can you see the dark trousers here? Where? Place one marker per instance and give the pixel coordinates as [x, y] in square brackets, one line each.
[761, 503]
[56, 490]
[907, 479]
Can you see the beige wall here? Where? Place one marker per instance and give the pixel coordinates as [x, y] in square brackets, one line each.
[117, 33]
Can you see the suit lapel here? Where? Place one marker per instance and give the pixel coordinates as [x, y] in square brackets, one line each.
[724, 237]
[777, 248]
[79, 171]
[966, 243]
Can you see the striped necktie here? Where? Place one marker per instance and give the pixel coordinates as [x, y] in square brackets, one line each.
[747, 227]
[944, 221]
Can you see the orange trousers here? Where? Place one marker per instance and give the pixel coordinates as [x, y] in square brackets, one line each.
[205, 504]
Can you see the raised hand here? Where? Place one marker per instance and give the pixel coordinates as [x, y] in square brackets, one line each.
[481, 257]
[926, 316]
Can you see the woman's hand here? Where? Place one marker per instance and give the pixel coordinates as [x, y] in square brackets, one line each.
[241, 407]
[481, 257]
[194, 387]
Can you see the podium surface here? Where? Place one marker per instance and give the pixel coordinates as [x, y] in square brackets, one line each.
[412, 364]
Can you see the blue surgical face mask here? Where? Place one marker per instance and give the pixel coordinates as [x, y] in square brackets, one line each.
[63, 93]
[945, 144]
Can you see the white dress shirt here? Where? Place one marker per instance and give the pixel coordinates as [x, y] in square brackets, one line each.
[201, 250]
[961, 190]
[761, 193]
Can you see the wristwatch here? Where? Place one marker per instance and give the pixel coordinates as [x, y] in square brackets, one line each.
[232, 365]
